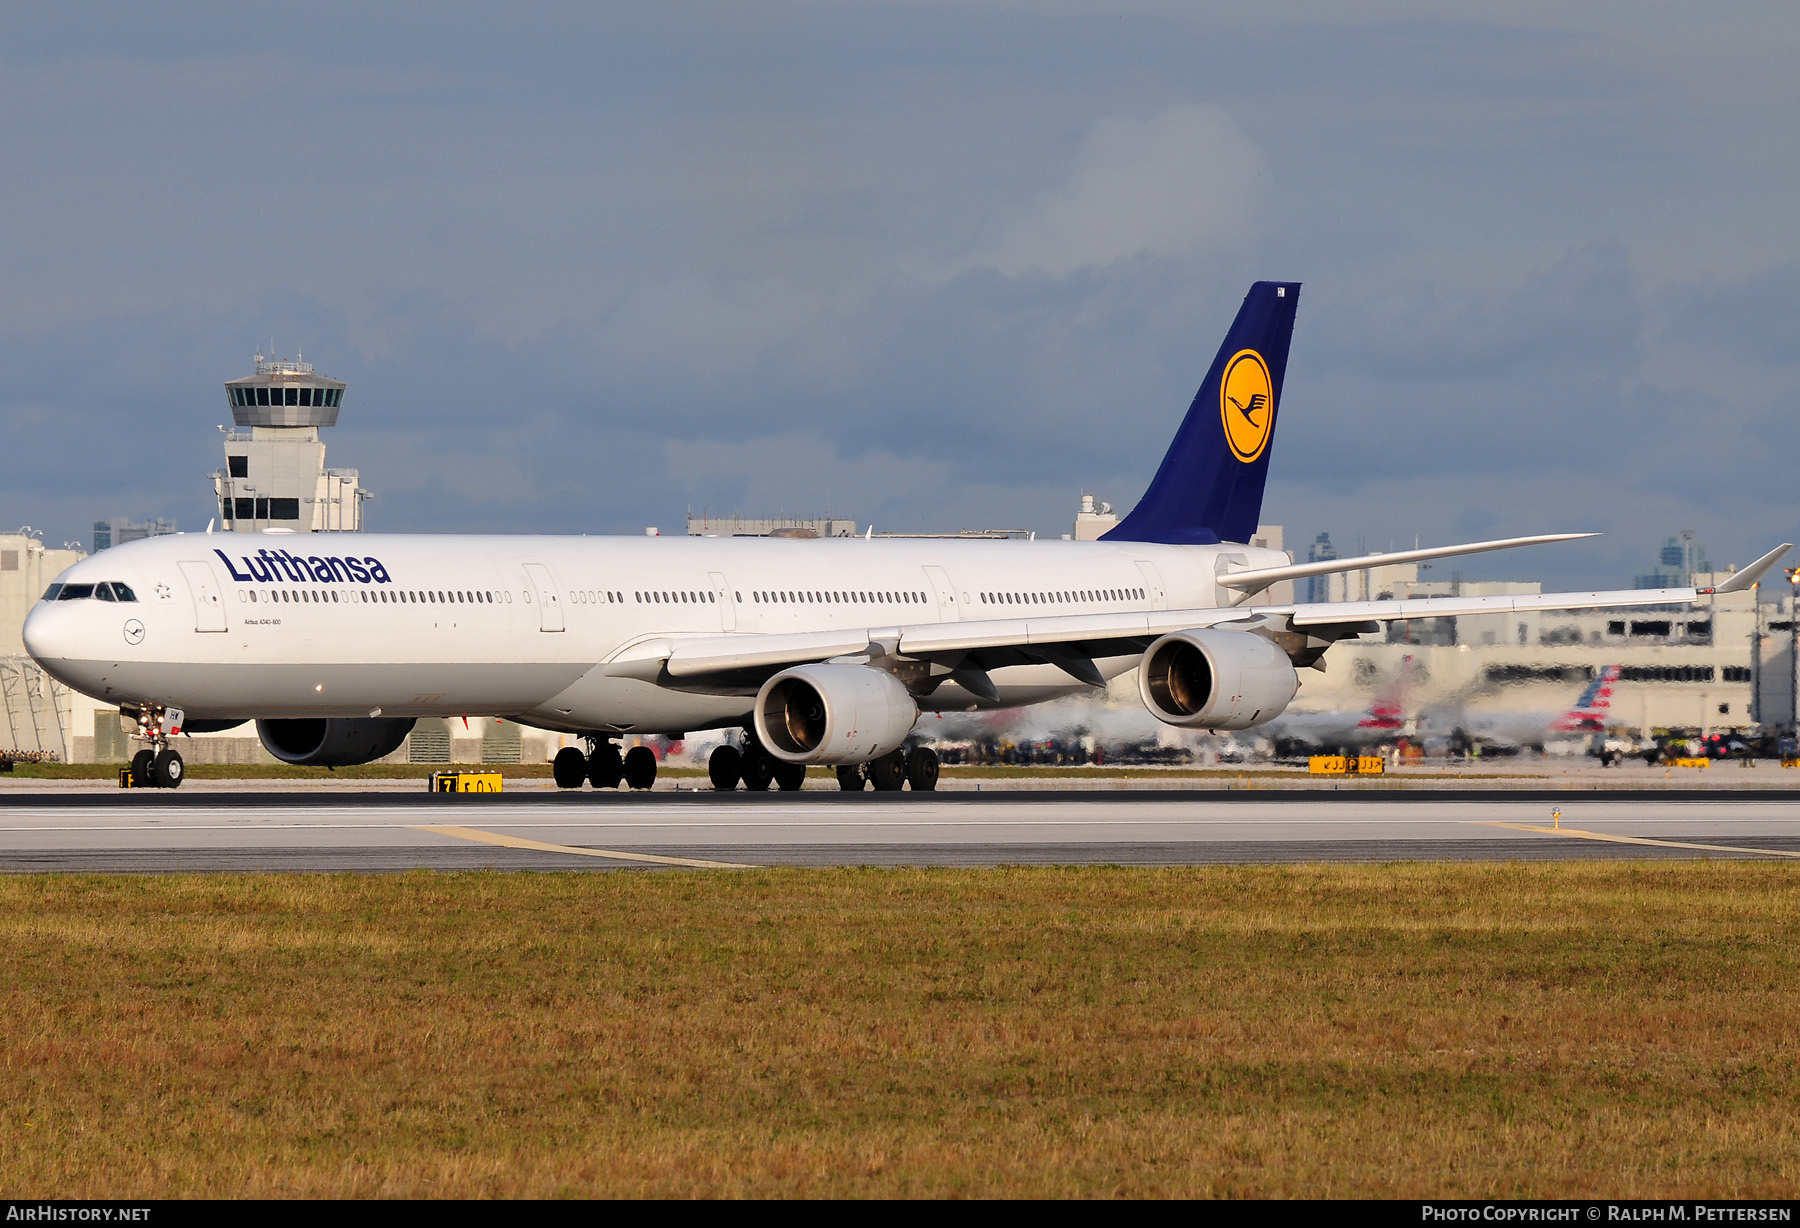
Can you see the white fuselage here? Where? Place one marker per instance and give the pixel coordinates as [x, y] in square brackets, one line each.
[348, 625]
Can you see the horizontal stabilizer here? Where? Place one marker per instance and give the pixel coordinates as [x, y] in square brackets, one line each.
[1261, 577]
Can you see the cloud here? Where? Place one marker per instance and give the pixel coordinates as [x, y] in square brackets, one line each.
[1177, 184]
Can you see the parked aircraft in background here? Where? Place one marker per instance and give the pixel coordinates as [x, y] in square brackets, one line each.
[825, 652]
[1589, 714]
[1389, 717]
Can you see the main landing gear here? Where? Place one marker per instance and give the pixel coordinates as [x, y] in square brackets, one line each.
[917, 767]
[157, 766]
[753, 766]
[756, 768]
[603, 767]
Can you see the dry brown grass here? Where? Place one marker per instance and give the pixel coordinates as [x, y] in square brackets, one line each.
[1622, 1029]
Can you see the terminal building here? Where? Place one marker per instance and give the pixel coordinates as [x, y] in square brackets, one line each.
[275, 475]
[1726, 664]
[37, 713]
[122, 529]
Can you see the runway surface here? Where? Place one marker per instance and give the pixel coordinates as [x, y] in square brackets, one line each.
[156, 832]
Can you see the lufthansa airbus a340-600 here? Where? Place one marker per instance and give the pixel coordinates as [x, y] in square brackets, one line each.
[824, 651]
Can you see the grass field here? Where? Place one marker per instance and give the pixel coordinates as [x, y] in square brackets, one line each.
[1577, 1029]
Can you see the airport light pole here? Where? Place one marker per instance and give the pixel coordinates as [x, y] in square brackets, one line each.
[1757, 707]
[1793, 575]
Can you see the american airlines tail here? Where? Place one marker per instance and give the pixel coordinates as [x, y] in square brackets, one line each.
[1210, 486]
[1388, 713]
[1593, 708]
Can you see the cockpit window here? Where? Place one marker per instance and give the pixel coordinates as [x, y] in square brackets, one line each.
[76, 592]
[103, 591]
[124, 592]
[51, 592]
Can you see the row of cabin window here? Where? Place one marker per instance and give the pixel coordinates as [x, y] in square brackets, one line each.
[106, 590]
[323, 397]
[380, 597]
[694, 597]
[839, 598]
[261, 509]
[1092, 594]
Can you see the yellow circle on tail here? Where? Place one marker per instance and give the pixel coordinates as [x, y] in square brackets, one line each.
[1247, 404]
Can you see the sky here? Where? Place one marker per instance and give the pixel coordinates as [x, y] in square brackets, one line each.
[931, 266]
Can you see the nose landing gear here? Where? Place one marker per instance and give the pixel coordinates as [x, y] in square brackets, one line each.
[157, 766]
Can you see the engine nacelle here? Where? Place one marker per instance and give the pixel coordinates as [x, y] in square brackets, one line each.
[334, 741]
[834, 714]
[1209, 679]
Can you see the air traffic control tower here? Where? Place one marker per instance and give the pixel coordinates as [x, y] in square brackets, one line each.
[275, 475]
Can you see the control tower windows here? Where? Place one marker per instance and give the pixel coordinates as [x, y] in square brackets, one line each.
[267, 509]
[239, 466]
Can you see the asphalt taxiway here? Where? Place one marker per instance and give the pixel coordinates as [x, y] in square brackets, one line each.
[339, 831]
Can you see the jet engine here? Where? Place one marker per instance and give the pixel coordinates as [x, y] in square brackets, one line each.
[833, 714]
[1207, 679]
[335, 741]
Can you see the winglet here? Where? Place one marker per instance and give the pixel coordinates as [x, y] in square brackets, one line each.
[1742, 580]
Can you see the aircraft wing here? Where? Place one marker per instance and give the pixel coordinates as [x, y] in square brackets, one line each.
[1329, 612]
[1070, 641]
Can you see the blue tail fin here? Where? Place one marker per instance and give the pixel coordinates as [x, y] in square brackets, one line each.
[1210, 486]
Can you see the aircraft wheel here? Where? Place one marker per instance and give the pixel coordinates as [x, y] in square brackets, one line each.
[140, 769]
[167, 770]
[790, 776]
[725, 768]
[851, 778]
[640, 767]
[922, 769]
[888, 773]
[569, 768]
[604, 768]
[758, 768]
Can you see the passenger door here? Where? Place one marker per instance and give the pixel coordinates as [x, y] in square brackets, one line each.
[948, 611]
[727, 608]
[203, 586]
[549, 599]
[1153, 585]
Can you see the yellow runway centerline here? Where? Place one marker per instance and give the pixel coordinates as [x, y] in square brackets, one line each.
[542, 846]
[1578, 834]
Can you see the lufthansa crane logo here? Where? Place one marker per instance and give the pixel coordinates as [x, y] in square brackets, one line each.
[1247, 404]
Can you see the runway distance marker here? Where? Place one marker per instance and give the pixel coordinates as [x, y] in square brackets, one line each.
[542, 846]
[1668, 844]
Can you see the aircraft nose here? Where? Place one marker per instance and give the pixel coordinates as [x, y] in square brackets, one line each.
[47, 633]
